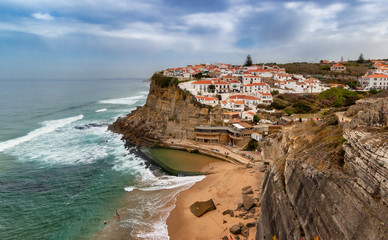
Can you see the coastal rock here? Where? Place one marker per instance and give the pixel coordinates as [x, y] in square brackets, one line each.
[250, 224]
[248, 191]
[247, 202]
[235, 229]
[239, 206]
[200, 208]
[245, 231]
[169, 112]
[329, 180]
[246, 188]
[229, 211]
[225, 238]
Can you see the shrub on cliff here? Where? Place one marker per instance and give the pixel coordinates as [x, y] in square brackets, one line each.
[339, 97]
[164, 81]
[302, 106]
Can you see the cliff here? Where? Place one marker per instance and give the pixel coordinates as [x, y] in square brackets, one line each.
[169, 112]
[328, 179]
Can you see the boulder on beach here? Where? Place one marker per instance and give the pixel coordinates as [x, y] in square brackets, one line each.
[235, 229]
[245, 231]
[200, 208]
[229, 211]
[248, 202]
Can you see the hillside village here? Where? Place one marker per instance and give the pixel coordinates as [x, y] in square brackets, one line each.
[244, 90]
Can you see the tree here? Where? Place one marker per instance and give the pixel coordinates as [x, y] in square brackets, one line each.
[198, 75]
[256, 118]
[361, 58]
[212, 88]
[248, 61]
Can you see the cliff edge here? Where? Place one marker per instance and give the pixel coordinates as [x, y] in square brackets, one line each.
[329, 179]
[169, 112]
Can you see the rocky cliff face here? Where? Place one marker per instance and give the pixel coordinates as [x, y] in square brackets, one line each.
[329, 180]
[168, 113]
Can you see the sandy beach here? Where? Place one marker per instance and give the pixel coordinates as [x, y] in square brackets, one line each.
[224, 186]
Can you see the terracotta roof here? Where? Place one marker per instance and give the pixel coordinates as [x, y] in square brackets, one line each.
[237, 102]
[207, 98]
[220, 82]
[237, 97]
[202, 82]
[251, 98]
[377, 76]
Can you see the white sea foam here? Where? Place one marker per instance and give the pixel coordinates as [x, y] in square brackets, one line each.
[165, 182]
[72, 146]
[48, 126]
[144, 92]
[101, 110]
[123, 101]
[161, 204]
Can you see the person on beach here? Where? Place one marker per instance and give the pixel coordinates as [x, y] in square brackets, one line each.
[104, 221]
[117, 213]
[118, 217]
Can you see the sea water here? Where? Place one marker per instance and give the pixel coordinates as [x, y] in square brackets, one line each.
[62, 172]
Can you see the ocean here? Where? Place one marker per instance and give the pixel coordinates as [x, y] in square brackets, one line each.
[62, 172]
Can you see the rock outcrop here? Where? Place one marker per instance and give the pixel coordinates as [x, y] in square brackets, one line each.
[200, 208]
[329, 180]
[169, 112]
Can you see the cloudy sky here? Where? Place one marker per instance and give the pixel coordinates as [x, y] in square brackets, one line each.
[133, 38]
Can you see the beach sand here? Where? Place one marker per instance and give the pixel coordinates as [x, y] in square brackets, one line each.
[224, 187]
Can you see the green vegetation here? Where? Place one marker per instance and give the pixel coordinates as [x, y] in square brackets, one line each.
[361, 58]
[312, 103]
[340, 97]
[256, 118]
[198, 75]
[321, 71]
[248, 61]
[252, 145]
[375, 91]
[212, 88]
[163, 81]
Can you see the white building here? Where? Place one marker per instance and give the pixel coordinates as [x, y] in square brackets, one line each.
[249, 79]
[235, 86]
[254, 87]
[247, 115]
[221, 86]
[266, 98]
[234, 105]
[207, 100]
[375, 81]
[202, 86]
[251, 101]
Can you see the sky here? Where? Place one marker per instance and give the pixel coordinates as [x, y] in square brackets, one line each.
[60, 39]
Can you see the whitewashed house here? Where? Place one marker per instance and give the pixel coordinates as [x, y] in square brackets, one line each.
[247, 115]
[221, 86]
[375, 81]
[202, 86]
[234, 105]
[249, 79]
[212, 101]
[235, 86]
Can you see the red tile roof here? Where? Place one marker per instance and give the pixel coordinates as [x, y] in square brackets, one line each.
[202, 82]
